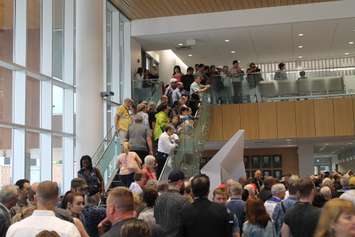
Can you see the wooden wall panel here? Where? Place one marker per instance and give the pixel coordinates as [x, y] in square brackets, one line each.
[343, 116]
[305, 118]
[231, 120]
[324, 117]
[286, 119]
[215, 128]
[250, 120]
[267, 120]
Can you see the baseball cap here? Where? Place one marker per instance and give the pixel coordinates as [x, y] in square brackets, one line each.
[175, 176]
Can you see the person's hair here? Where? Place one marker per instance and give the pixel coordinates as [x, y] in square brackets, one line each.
[47, 233]
[327, 182]
[277, 188]
[200, 185]
[235, 189]
[127, 100]
[77, 183]
[184, 108]
[268, 182]
[135, 228]
[8, 193]
[169, 127]
[190, 69]
[219, 191]
[330, 214]
[140, 70]
[152, 184]
[305, 187]
[150, 196]
[47, 191]
[281, 65]
[88, 159]
[176, 67]
[126, 147]
[256, 213]
[137, 176]
[201, 65]
[161, 107]
[251, 64]
[141, 107]
[293, 183]
[245, 195]
[21, 183]
[121, 198]
[149, 159]
[250, 189]
[70, 198]
[138, 118]
[326, 192]
[235, 61]
[302, 73]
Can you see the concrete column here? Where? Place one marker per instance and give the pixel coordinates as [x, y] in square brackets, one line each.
[90, 74]
[305, 160]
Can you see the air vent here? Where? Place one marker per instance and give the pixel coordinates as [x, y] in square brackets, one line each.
[183, 47]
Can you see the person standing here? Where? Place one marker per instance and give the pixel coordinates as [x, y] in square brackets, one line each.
[254, 78]
[281, 73]
[236, 205]
[90, 174]
[166, 145]
[8, 199]
[161, 120]
[169, 205]
[301, 219]
[203, 217]
[139, 137]
[123, 119]
[237, 75]
[43, 218]
[188, 79]
[278, 193]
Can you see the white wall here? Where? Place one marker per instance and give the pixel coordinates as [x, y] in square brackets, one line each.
[136, 55]
[168, 60]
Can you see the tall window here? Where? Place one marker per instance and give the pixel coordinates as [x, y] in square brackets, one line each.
[37, 90]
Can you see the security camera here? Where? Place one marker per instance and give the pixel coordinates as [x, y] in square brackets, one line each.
[105, 94]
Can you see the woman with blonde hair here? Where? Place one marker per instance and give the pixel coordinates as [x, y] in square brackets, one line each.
[337, 219]
[128, 163]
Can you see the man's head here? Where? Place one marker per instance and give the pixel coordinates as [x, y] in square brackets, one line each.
[128, 102]
[176, 178]
[278, 190]
[180, 85]
[24, 188]
[47, 194]
[32, 193]
[149, 196]
[282, 66]
[140, 179]
[258, 174]
[198, 79]
[78, 185]
[164, 99]
[173, 82]
[235, 63]
[302, 73]
[200, 186]
[119, 204]
[149, 161]
[169, 129]
[190, 71]
[138, 119]
[220, 196]
[326, 192]
[9, 195]
[235, 189]
[293, 183]
[306, 189]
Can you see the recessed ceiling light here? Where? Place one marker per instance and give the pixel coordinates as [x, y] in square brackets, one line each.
[226, 41]
[346, 53]
[180, 44]
[190, 55]
[300, 46]
[300, 57]
[300, 35]
[351, 42]
[232, 51]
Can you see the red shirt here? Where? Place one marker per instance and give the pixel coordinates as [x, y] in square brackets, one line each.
[149, 174]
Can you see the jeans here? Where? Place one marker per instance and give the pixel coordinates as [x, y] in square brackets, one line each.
[254, 94]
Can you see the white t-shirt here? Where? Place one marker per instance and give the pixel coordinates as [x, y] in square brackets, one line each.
[135, 188]
[39, 221]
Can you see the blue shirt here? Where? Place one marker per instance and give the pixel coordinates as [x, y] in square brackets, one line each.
[237, 207]
[279, 213]
[250, 230]
[91, 216]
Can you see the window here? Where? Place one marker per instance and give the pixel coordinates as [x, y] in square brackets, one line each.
[5, 156]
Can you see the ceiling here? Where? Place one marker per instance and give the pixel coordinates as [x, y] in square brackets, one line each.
[139, 9]
[269, 43]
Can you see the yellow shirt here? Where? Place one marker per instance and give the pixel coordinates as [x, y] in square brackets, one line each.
[124, 119]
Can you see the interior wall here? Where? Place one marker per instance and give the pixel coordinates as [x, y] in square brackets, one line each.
[136, 55]
[289, 156]
[346, 166]
[168, 60]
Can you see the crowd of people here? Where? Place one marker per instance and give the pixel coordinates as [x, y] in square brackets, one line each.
[315, 206]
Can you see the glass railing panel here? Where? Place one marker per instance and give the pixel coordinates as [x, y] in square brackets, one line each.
[148, 89]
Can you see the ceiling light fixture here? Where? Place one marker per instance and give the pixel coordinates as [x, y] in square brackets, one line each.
[190, 55]
[300, 57]
[226, 41]
[232, 51]
[351, 42]
[346, 54]
[180, 44]
[300, 34]
[300, 46]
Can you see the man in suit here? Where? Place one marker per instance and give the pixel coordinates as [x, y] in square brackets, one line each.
[203, 217]
[8, 199]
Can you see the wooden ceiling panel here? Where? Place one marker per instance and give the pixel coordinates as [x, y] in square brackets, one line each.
[139, 9]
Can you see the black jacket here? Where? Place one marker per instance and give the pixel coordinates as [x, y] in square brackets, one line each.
[207, 219]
